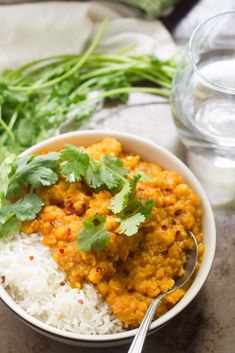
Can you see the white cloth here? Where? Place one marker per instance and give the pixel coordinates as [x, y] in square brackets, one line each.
[35, 30]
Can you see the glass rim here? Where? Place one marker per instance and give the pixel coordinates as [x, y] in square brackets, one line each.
[210, 83]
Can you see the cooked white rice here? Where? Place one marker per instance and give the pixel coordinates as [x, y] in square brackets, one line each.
[33, 279]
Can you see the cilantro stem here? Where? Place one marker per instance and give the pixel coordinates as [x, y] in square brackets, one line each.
[6, 127]
[10, 126]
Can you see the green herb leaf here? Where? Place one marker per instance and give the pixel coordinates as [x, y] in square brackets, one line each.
[120, 201]
[8, 227]
[76, 163]
[130, 225]
[35, 171]
[93, 236]
[112, 171]
[27, 208]
[92, 177]
[24, 209]
[5, 169]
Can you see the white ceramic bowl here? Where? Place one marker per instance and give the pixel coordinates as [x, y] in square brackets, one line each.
[154, 153]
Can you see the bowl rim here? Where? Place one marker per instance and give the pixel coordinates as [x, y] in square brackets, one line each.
[192, 291]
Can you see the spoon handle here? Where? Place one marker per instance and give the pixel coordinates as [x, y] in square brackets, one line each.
[138, 342]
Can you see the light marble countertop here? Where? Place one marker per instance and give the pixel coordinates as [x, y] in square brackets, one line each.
[207, 325]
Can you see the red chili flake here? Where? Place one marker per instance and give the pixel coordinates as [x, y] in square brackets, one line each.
[69, 204]
[178, 212]
[68, 232]
[3, 279]
[164, 227]
[167, 191]
[70, 210]
[31, 258]
[80, 301]
[177, 233]
[99, 269]
[168, 305]
[62, 283]
[61, 250]
[52, 223]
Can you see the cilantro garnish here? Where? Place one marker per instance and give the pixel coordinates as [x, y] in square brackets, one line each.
[92, 177]
[9, 227]
[75, 163]
[130, 224]
[34, 171]
[93, 236]
[5, 169]
[24, 209]
[120, 201]
[109, 172]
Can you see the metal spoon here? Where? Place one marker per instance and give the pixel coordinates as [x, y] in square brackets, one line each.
[138, 342]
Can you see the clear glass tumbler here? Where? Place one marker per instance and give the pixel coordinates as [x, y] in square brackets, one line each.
[203, 104]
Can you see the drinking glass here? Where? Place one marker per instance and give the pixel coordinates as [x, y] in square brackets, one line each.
[203, 104]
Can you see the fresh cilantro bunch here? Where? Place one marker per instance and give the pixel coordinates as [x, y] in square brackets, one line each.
[57, 94]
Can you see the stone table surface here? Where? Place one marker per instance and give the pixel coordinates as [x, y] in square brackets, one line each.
[207, 325]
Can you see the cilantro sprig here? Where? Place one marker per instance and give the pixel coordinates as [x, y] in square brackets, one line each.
[24, 209]
[108, 172]
[75, 163]
[93, 236]
[141, 212]
[33, 171]
[120, 201]
[133, 212]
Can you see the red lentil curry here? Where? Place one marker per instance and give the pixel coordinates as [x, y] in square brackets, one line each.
[129, 271]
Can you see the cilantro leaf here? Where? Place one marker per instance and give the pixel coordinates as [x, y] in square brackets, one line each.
[35, 171]
[40, 176]
[107, 177]
[92, 177]
[93, 236]
[76, 163]
[27, 208]
[112, 171]
[120, 201]
[24, 209]
[130, 225]
[107, 172]
[8, 227]
[5, 169]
